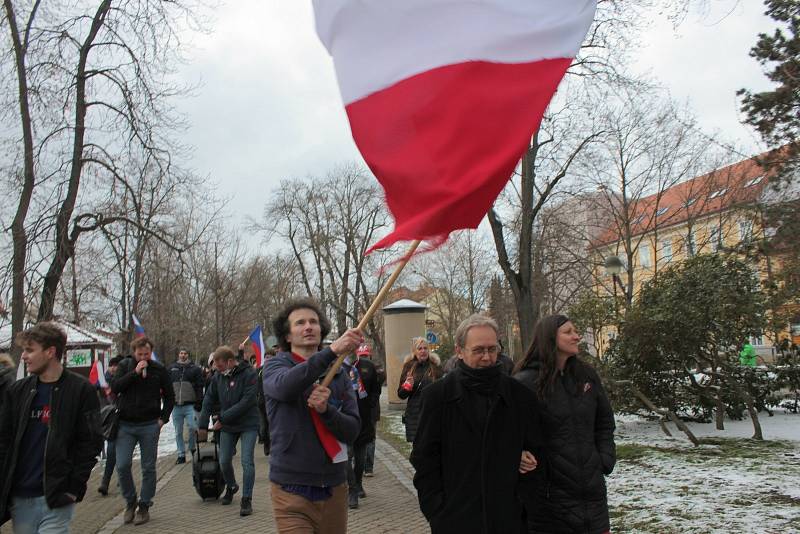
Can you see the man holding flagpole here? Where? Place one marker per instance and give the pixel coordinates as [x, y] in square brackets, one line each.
[310, 425]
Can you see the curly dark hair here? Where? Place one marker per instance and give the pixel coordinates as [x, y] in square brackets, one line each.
[280, 325]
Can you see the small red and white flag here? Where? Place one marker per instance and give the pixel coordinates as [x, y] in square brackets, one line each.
[443, 96]
[97, 375]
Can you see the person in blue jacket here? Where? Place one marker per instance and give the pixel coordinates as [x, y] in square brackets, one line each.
[310, 425]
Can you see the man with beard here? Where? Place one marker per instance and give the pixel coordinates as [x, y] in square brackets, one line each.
[310, 425]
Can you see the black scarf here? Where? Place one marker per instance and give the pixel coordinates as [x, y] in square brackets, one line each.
[483, 381]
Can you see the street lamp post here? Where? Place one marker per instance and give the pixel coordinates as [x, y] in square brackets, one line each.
[613, 267]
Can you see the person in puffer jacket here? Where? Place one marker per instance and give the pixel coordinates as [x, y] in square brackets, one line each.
[187, 383]
[567, 492]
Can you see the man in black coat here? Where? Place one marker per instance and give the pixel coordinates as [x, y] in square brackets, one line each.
[49, 436]
[145, 398]
[476, 433]
[367, 387]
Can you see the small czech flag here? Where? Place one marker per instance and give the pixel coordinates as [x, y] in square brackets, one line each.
[257, 339]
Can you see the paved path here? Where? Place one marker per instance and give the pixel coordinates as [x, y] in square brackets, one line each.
[390, 505]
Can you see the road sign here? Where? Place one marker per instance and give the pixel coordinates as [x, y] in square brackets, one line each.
[432, 338]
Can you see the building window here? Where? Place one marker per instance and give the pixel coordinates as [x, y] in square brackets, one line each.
[757, 340]
[666, 249]
[715, 237]
[644, 256]
[691, 201]
[754, 181]
[691, 246]
[662, 211]
[717, 193]
[745, 231]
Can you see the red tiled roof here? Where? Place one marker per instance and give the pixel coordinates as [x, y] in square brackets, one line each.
[721, 189]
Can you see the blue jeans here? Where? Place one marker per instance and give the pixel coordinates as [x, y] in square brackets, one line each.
[111, 460]
[179, 414]
[33, 516]
[227, 444]
[146, 435]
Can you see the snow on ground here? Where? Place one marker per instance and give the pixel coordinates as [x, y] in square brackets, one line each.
[729, 484]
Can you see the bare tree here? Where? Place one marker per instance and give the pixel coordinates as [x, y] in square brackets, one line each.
[456, 278]
[650, 147]
[93, 82]
[564, 134]
[329, 223]
[601, 63]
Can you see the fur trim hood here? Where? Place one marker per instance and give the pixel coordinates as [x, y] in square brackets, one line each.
[433, 357]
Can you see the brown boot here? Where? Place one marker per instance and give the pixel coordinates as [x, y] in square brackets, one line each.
[142, 515]
[130, 510]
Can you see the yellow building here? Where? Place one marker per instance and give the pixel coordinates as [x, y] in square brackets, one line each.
[719, 212]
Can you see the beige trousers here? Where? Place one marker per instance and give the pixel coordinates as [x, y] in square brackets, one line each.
[297, 515]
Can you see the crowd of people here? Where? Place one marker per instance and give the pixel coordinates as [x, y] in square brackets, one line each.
[497, 447]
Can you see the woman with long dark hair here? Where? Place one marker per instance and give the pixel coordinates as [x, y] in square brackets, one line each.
[421, 369]
[567, 493]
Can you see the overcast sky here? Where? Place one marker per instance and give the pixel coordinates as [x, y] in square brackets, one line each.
[268, 106]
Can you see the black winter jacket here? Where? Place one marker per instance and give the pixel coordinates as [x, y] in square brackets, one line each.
[369, 405]
[569, 494]
[7, 377]
[425, 374]
[74, 438]
[140, 399]
[236, 395]
[467, 477]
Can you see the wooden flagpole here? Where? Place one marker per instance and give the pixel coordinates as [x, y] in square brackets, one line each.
[373, 308]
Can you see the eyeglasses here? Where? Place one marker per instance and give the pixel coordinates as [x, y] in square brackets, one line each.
[480, 351]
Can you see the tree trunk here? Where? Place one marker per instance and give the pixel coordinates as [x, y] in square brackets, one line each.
[18, 233]
[719, 411]
[751, 409]
[65, 241]
[527, 313]
[668, 413]
[76, 312]
[663, 424]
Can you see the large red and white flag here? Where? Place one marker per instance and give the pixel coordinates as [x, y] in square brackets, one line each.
[443, 96]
